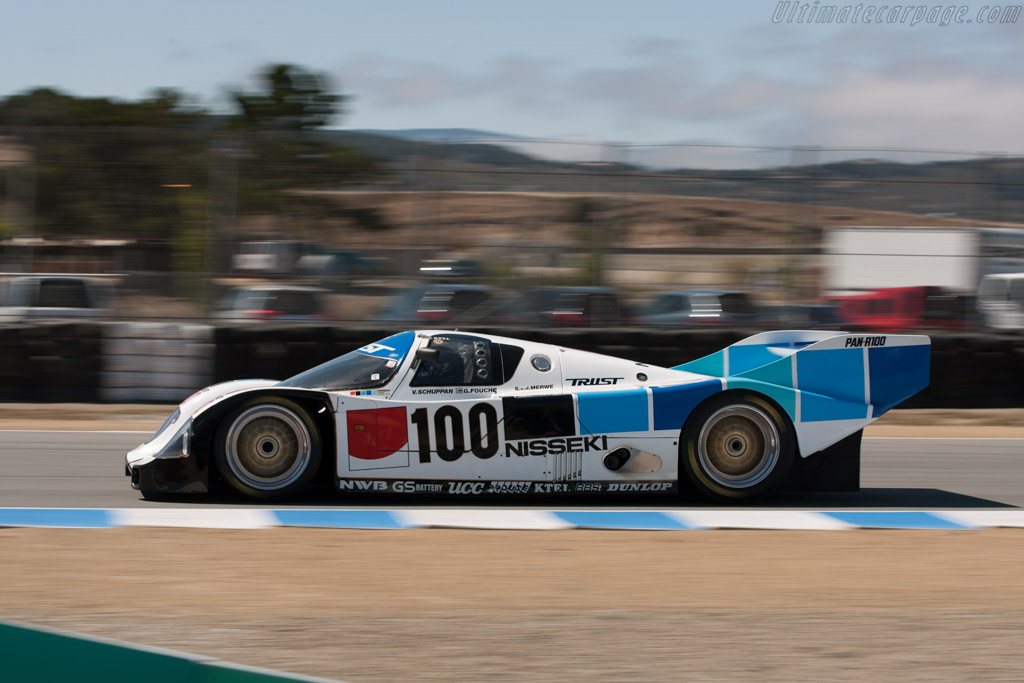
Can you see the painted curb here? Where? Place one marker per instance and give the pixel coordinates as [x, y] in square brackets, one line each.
[242, 518]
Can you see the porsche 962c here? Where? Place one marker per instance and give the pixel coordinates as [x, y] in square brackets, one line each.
[436, 412]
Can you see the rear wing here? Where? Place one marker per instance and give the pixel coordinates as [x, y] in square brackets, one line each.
[821, 377]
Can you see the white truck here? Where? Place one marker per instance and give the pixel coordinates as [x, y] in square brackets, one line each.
[862, 259]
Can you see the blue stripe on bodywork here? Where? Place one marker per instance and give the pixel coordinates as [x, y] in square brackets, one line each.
[713, 365]
[613, 411]
[620, 519]
[838, 373]
[779, 372]
[784, 396]
[831, 384]
[818, 408]
[749, 356]
[348, 519]
[897, 372]
[672, 405]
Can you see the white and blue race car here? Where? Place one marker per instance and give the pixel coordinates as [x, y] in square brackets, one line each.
[436, 412]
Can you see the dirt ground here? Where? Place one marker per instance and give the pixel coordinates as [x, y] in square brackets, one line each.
[541, 606]
[1005, 423]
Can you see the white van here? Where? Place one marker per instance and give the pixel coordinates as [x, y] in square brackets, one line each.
[1001, 301]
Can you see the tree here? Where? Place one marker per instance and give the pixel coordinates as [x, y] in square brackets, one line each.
[285, 154]
[106, 167]
[293, 99]
[101, 166]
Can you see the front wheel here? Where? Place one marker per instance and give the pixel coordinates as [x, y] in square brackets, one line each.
[737, 446]
[267, 447]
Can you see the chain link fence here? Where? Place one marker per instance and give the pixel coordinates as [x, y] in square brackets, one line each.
[181, 218]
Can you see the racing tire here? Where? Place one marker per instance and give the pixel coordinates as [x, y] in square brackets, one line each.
[267, 448]
[737, 446]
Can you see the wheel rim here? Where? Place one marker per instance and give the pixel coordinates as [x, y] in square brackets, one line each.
[268, 447]
[738, 446]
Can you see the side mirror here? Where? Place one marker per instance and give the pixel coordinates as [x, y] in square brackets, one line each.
[428, 355]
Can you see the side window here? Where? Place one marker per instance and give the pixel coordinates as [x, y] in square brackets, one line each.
[1016, 293]
[467, 361]
[990, 289]
[462, 361]
[737, 303]
[63, 294]
[606, 309]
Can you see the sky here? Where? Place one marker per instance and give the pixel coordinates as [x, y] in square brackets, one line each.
[742, 73]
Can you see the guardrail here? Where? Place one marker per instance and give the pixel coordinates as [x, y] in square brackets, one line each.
[31, 654]
[165, 362]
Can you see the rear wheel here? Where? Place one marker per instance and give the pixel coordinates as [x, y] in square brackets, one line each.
[737, 446]
[267, 447]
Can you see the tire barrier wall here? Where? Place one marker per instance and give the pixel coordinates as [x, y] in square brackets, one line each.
[155, 362]
[52, 362]
[30, 653]
[166, 362]
[278, 351]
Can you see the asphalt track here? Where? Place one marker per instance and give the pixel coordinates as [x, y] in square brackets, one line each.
[85, 470]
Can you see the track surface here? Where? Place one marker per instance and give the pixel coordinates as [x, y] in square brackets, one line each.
[85, 469]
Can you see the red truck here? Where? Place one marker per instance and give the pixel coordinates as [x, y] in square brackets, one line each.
[899, 309]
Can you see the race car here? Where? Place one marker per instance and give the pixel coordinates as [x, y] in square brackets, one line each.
[443, 412]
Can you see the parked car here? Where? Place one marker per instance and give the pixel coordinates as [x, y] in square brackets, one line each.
[699, 307]
[896, 309]
[801, 317]
[55, 296]
[441, 303]
[274, 302]
[572, 306]
[337, 269]
[1001, 301]
[444, 269]
[267, 258]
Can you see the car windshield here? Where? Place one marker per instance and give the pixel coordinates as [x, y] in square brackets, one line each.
[370, 366]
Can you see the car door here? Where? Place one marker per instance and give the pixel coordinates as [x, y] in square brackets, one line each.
[454, 412]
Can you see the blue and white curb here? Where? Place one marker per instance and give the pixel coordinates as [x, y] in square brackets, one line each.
[242, 518]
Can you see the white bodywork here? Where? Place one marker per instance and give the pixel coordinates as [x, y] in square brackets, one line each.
[171, 440]
[654, 452]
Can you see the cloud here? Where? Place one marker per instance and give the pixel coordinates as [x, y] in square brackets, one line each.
[395, 83]
[933, 108]
[854, 88]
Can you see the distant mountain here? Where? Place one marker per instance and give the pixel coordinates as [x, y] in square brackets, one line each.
[558, 151]
[441, 134]
[389, 146]
[978, 188]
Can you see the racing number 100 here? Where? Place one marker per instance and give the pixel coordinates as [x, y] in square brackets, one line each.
[453, 450]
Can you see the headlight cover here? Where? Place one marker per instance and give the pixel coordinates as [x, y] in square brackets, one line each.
[177, 446]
